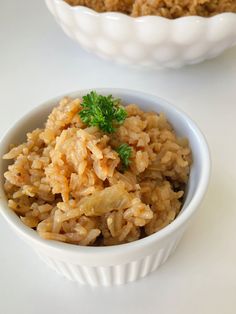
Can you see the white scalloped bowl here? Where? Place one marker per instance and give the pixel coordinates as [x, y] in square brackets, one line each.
[150, 41]
[124, 263]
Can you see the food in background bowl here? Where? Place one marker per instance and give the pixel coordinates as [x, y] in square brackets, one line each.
[124, 6]
[98, 173]
[166, 8]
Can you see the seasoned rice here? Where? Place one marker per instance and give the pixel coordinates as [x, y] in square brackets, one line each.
[166, 8]
[66, 182]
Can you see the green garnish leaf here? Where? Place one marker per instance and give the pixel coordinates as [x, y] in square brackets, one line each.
[104, 112]
[124, 151]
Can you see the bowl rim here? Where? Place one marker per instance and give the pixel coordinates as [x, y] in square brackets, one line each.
[118, 15]
[180, 220]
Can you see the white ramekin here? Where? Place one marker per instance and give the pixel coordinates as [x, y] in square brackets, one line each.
[150, 41]
[127, 262]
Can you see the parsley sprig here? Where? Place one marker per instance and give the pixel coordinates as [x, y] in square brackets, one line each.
[104, 112]
[124, 151]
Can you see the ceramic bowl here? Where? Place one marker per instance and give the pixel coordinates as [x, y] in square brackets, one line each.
[124, 263]
[150, 41]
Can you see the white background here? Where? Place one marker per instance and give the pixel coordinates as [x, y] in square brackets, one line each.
[37, 62]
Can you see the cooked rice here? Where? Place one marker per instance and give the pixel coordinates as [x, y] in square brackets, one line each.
[166, 8]
[66, 183]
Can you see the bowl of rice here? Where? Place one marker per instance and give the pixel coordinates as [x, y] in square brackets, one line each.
[147, 33]
[102, 184]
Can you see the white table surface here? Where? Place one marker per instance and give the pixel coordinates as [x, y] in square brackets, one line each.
[37, 62]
